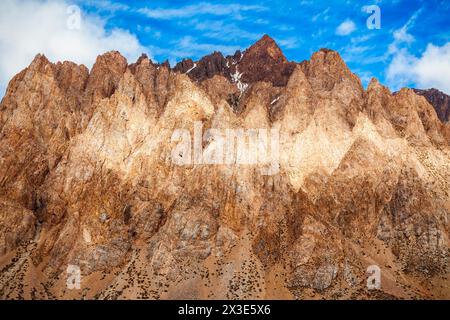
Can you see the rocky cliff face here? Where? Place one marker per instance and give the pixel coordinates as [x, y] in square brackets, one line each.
[89, 180]
[439, 100]
[263, 61]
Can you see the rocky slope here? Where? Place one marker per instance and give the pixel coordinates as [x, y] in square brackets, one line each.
[88, 178]
[439, 100]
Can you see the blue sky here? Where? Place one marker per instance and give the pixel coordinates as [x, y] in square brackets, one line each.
[411, 49]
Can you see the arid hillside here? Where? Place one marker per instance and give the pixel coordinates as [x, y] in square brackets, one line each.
[95, 181]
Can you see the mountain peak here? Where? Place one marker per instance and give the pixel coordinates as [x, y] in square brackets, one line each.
[266, 47]
[266, 39]
[439, 100]
[325, 55]
[263, 61]
[326, 68]
[39, 61]
[113, 60]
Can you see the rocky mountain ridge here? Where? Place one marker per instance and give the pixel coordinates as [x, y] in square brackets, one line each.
[439, 100]
[88, 181]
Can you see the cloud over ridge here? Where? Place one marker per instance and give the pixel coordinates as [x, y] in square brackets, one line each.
[28, 27]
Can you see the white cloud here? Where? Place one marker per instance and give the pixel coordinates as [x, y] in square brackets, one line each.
[203, 8]
[430, 70]
[361, 39]
[321, 15]
[346, 28]
[193, 48]
[223, 31]
[402, 37]
[28, 27]
[104, 5]
[399, 72]
[288, 43]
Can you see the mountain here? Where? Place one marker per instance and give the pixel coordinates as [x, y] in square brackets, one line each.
[95, 181]
[439, 100]
[263, 61]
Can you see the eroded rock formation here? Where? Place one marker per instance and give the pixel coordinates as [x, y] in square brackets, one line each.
[439, 100]
[88, 179]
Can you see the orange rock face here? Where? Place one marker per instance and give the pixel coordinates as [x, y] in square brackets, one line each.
[89, 181]
[439, 100]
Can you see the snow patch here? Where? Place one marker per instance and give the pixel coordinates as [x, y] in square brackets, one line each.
[236, 78]
[195, 66]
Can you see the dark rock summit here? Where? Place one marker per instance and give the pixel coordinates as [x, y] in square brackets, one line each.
[263, 61]
[439, 100]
